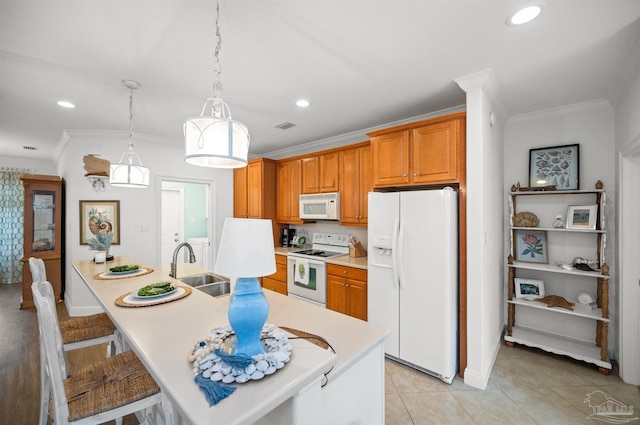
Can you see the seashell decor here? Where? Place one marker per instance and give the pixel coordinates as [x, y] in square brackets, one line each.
[211, 366]
[525, 219]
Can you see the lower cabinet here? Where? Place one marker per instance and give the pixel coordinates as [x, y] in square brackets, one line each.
[278, 281]
[347, 290]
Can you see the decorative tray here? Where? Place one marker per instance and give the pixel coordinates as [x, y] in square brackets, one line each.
[210, 365]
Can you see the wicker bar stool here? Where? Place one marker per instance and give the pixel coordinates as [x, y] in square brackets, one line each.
[82, 331]
[99, 392]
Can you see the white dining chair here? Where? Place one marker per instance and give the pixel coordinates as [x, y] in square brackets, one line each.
[81, 331]
[98, 392]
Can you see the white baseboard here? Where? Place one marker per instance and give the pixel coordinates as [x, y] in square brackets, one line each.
[82, 311]
[480, 379]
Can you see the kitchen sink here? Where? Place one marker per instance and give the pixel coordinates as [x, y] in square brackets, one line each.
[216, 289]
[203, 279]
[209, 283]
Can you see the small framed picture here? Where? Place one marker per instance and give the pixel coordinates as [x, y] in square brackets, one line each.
[529, 288]
[557, 165]
[582, 217]
[531, 246]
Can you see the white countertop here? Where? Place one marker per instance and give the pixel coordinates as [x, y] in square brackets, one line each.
[163, 334]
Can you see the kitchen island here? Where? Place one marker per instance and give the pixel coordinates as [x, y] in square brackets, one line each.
[162, 336]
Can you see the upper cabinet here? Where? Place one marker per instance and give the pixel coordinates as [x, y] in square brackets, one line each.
[320, 173]
[355, 184]
[254, 189]
[289, 189]
[427, 152]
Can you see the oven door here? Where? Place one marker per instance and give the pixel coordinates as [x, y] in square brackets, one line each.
[316, 289]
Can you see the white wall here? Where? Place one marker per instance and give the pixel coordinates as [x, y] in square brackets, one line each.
[627, 127]
[484, 225]
[35, 166]
[591, 125]
[137, 206]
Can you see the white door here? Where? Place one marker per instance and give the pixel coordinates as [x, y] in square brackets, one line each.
[382, 293]
[172, 222]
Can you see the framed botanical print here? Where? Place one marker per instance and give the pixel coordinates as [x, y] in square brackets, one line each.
[531, 246]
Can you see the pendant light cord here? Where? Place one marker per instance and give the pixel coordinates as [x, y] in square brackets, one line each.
[217, 67]
[131, 119]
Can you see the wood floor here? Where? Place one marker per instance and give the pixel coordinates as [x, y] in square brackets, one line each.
[20, 359]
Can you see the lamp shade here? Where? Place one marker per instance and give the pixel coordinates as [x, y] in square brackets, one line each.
[129, 175]
[246, 248]
[216, 142]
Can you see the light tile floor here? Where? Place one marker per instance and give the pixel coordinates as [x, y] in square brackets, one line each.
[526, 386]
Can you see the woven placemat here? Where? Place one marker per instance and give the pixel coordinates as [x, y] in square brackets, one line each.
[100, 276]
[122, 303]
[314, 339]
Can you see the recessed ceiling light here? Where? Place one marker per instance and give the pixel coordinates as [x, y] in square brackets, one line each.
[302, 103]
[66, 104]
[524, 15]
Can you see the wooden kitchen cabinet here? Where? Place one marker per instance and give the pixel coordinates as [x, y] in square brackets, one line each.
[427, 152]
[278, 281]
[320, 173]
[254, 189]
[43, 230]
[347, 290]
[289, 189]
[356, 181]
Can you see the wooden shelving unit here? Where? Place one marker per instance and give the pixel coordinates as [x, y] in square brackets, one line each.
[559, 343]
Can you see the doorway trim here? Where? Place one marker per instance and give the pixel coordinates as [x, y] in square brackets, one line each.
[211, 216]
[629, 270]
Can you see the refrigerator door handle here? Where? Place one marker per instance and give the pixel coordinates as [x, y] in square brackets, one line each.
[394, 253]
[400, 257]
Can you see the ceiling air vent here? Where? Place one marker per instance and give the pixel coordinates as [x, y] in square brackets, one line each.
[30, 148]
[285, 125]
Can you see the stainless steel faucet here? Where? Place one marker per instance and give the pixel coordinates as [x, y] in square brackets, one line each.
[174, 263]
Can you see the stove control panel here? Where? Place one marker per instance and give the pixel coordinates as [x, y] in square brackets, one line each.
[335, 239]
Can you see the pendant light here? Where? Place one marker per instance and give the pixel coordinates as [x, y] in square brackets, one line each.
[214, 139]
[129, 172]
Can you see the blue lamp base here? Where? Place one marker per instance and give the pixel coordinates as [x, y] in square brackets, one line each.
[248, 311]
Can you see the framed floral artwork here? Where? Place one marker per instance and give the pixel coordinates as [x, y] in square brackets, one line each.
[99, 216]
[531, 246]
[557, 165]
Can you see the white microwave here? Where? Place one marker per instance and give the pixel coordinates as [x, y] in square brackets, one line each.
[320, 206]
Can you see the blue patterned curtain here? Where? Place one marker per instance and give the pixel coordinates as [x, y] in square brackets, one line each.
[11, 225]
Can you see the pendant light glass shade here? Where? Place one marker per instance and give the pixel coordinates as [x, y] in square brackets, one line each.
[216, 140]
[129, 172]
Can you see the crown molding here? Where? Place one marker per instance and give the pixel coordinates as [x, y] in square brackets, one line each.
[350, 138]
[553, 113]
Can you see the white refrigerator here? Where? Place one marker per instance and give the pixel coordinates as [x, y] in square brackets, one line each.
[413, 277]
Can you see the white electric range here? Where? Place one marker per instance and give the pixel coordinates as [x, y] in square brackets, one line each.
[307, 271]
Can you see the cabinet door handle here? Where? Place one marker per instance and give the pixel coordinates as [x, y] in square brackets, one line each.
[415, 174]
[404, 175]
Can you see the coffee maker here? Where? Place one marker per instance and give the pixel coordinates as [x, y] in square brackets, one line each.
[286, 237]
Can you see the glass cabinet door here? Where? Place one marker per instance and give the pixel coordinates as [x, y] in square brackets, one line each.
[43, 220]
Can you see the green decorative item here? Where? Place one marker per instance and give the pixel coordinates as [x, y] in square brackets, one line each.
[101, 241]
[301, 271]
